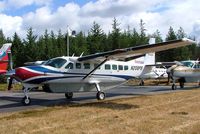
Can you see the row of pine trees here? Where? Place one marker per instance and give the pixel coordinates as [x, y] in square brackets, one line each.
[50, 45]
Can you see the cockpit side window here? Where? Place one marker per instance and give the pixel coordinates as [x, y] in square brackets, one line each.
[69, 66]
[57, 63]
[188, 64]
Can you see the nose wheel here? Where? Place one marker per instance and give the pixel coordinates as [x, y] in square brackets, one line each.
[26, 100]
[69, 95]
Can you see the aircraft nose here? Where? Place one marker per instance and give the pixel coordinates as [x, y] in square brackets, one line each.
[24, 73]
[21, 73]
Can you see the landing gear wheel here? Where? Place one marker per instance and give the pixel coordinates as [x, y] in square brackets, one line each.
[141, 83]
[26, 101]
[181, 84]
[173, 87]
[101, 95]
[69, 95]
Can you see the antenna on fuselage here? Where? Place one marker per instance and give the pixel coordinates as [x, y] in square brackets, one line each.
[73, 54]
[81, 54]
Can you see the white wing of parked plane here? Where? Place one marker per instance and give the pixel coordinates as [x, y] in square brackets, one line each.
[123, 54]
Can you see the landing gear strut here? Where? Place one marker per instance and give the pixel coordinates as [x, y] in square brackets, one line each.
[100, 95]
[181, 84]
[174, 85]
[69, 95]
[141, 83]
[26, 100]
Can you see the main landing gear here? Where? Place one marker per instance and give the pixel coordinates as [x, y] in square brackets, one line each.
[141, 83]
[181, 83]
[174, 87]
[26, 100]
[69, 95]
[100, 95]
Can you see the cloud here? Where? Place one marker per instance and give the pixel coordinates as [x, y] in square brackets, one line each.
[196, 30]
[114, 8]
[10, 24]
[23, 3]
[43, 18]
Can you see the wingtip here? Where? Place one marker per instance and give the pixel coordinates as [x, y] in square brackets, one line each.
[189, 40]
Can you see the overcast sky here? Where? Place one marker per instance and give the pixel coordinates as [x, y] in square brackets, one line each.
[19, 15]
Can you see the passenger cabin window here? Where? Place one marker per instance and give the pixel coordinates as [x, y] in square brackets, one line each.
[86, 65]
[125, 67]
[120, 67]
[197, 66]
[57, 62]
[107, 67]
[114, 67]
[69, 66]
[78, 65]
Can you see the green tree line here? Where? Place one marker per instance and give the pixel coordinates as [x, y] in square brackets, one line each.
[51, 44]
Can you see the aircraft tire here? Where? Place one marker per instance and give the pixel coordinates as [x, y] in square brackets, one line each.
[26, 101]
[174, 87]
[141, 83]
[69, 95]
[181, 84]
[100, 95]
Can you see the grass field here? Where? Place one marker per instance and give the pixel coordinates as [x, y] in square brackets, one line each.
[171, 113]
[4, 86]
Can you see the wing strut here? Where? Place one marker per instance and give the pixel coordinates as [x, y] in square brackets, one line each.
[95, 69]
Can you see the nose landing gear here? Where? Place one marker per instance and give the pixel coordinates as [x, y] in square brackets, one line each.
[26, 100]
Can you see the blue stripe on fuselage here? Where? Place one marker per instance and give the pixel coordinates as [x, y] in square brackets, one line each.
[42, 69]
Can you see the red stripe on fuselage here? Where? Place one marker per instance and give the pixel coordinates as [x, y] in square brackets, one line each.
[24, 74]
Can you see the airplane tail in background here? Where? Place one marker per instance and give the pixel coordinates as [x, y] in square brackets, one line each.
[4, 58]
[149, 58]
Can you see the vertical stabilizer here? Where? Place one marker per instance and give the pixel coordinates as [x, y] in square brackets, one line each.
[4, 59]
[150, 57]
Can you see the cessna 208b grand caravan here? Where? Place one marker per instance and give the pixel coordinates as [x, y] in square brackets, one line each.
[86, 73]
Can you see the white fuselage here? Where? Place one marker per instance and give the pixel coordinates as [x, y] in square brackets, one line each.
[70, 77]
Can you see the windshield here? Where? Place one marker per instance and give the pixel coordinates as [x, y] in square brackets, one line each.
[57, 63]
[188, 63]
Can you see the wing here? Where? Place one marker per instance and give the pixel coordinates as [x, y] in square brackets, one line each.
[122, 54]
